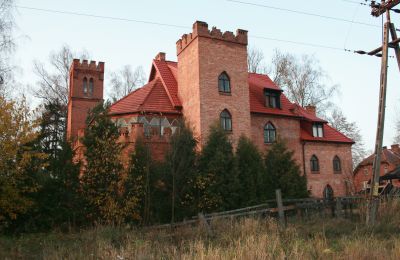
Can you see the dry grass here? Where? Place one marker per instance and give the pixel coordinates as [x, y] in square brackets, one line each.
[248, 238]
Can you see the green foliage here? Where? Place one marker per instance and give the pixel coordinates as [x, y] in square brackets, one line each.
[217, 183]
[255, 187]
[103, 167]
[136, 184]
[181, 170]
[284, 172]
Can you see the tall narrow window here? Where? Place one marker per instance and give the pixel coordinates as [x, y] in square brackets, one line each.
[272, 98]
[328, 192]
[314, 164]
[318, 130]
[91, 86]
[224, 84]
[226, 120]
[336, 164]
[269, 133]
[85, 86]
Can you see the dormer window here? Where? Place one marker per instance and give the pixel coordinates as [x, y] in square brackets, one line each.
[318, 130]
[272, 98]
[224, 84]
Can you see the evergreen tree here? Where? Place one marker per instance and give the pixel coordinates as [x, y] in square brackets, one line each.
[217, 183]
[103, 168]
[249, 162]
[284, 172]
[180, 170]
[136, 185]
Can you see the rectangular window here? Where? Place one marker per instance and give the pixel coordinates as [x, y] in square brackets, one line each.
[318, 130]
[272, 99]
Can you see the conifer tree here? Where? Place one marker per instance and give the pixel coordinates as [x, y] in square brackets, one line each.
[180, 169]
[136, 185]
[284, 172]
[103, 167]
[217, 183]
[250, 166]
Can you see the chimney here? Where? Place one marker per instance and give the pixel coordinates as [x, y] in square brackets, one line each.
[395, 148]
[311, 109]
[160, 56]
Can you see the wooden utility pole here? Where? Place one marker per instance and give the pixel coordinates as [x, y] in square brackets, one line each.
[377, 10]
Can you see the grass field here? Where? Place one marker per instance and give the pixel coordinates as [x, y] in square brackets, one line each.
[248, 238]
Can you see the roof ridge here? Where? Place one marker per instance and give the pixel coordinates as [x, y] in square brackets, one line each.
[152, 84]
[163, 82]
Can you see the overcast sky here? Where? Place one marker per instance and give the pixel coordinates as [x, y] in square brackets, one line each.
[118, 42]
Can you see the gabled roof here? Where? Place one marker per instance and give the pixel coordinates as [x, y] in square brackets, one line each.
[387, 156]
[152, 97]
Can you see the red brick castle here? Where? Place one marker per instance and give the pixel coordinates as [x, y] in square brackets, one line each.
[210, 83]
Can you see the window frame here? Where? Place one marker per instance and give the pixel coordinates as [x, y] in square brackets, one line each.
[337, 164]
[91, 87]
[272, 98]
[224, 83]
[314, 164]
[85, 86]
[268, 129]
[318, 130]
[226, 117]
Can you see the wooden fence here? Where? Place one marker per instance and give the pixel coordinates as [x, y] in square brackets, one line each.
[283, 209]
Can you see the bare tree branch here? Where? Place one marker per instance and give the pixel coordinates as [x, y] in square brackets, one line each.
[125, 81]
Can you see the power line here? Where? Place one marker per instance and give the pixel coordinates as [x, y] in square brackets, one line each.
[178, 26]
[101, 16]
[303, 13]
[357, 2]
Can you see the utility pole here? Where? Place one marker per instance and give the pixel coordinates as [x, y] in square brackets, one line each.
[378, 10]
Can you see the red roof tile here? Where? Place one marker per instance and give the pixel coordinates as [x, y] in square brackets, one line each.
[387, 156]
[152, 97]
[168, 74]
[330, 135]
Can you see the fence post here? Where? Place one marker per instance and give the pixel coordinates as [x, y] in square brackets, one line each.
[280, 207]
[203, 222]
[338, 207]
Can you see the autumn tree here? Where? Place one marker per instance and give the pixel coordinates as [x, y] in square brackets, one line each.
[102, 170]
[16, 157]
[125, 81]
[339, 121]
[284, 172]
[217, 182]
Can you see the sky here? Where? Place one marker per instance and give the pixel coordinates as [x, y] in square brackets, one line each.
[119, 42]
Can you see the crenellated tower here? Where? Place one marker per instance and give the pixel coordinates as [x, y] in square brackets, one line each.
[85, 92]
[212, 78]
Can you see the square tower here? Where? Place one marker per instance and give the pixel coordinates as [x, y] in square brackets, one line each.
[85, 92]
[213, 80]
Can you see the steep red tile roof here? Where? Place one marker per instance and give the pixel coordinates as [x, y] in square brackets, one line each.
[168, 74]
[330, 135]
[152, 97]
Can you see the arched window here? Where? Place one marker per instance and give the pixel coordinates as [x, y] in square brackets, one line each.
[269, 133]
[314, 164]
[224, 84]
[328, 192]
[91, 86]
[85, 86]
[337, 167]
[226, 120]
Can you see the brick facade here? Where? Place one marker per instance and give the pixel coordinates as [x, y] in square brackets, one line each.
[189, 89]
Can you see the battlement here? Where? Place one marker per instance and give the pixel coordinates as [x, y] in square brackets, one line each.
[85, 65]
[200, 29]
